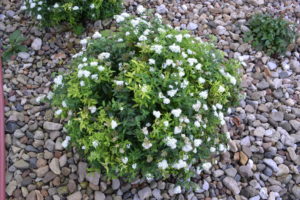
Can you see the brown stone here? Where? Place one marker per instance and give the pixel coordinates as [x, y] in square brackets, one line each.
[243, 158]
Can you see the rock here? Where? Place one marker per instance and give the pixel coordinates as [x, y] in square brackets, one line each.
[11, 187]
[233, 146]
[277, 116]
[24, 55]
[295, 66]
[192, 26]
[145, 193]
[49, 144]
[245, 171]
[295, 124]
[18, 133]
[295, 158]
[296, 191]
[282, 170]
[249, 191]
[81, 171]
[205, 185]
[232, 185]
[99, 195]
[115, 184]
[259, 132]
[26, 181]
[40, 172]
[36, 44]
[71, 186]
[231, 172]
[93, 178]
[39, 135]
[21, 164]
[162, 9]
[11, 127]
[54, 166]
[51, 126]
[156, 194]
[271, 163]
[49, 177]
[243, 158]
[217, 173]
[272, 65]
[221, 30]
[31, 196]
[245, 141]
[75, 196]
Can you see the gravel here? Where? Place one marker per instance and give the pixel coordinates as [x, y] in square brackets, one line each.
[263, 160]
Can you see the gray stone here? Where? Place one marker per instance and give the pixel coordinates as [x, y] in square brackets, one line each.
[162, 9]
[54, 166]
[21, 164]
[39, 135]
[221, 30]
[245, 141]
[271, 163]
[24, 55]
[232, 185]
[115, 184]
[81, 171]
[156, 194]
[263, 85]
[93, 178]
[296, 191]
[295, 66]
[99, 195]
[272, 65]
[282, 170]
[245, 171]
[192, 26]
[205, 185]
[277, 116]
[75, 196]
[36, 44]
[295, 124]
[218, 173]
[18, 134]
[51, 126]
[145, 193]
[11, 187]
[40, 172]
[263, 193]
[231, 172]
[49, 144]
[259, 132]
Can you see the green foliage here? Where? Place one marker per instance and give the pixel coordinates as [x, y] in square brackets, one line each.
[15, 45]
[147, 99]
[272, 35]
[74, 12]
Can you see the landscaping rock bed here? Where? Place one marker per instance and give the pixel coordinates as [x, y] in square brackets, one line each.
[264, 157]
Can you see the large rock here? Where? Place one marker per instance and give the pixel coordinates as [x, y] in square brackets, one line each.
[99, 195]
[36, 44]
[51, 126]
[54, 166]
[232, 185]
[75, 196]
[145, 193]
[21, 164]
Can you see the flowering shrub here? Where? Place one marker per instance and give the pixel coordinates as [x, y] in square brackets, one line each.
[73, 11]
[147, 99]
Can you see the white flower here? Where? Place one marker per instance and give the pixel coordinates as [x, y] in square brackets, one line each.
[157, 114]
[178, 38]
[206, 166]
[94, 76]
[134, 166]
[201, 80]
[163, 164]
[171, 142]
[101, 68]
[93, 109]
[172, 93]
[32, 5]
[197, 106]
[221, 89]
[103, 56]
[184, 55]
[219, 106]
[176, 112]
[142, 38]
[151, 61]
[75, 8]
[64, 104]
[55, 5]
[190, 52]
[119, 18]
[113, 124]
[40, 98]
[156, 48]
[39, 17]
[58, 80]
[198, 66]
[124, 14]
[204, 94]
[212, 149]
[140, 9]
[147, 144]
[197, 124]
[119, 83]
[95, 143]
[84, 73]
[166, 101]
[65, 143]
[184, 84]
[82, 83]
[166, 123]
[145, 131]
[177, 190]
[177, 129]
[94, 63]
[180, 164]
[50, 95]
[125, 160]
[175, 48]
[83, 42]
[192, 61]
[134, 22]
[187, 147]
[97, 35]
[58, 112]
[197, 142]
[222, 147]
[92, 6]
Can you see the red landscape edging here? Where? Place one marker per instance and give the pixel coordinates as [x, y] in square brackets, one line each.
[2, 137]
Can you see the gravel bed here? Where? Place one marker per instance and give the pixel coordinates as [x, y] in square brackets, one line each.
[264, 157]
